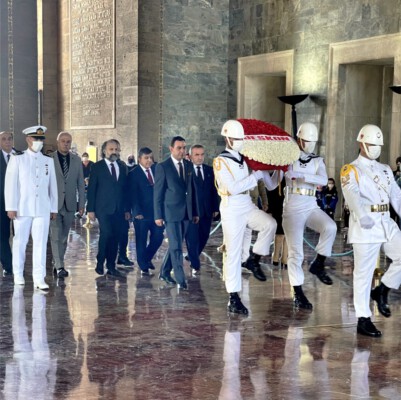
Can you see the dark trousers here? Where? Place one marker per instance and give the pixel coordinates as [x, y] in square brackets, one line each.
[110, 227]
[175, 232]
[145, 251]
[196, 239]
[123, 239]
[5, 249]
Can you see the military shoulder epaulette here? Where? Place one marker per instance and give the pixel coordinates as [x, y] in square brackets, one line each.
[18, 153]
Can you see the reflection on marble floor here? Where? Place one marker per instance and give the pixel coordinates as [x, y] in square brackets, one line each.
[99, 338]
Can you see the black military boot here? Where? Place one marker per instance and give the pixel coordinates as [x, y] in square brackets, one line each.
[317, 268]
[379, 295]
[300, 300]
[253, 264]
[367, 328]
[235, 305]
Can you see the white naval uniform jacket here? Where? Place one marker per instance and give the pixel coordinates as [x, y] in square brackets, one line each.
[234, 182]
[31, 185]
[314, 174]
[366, 183]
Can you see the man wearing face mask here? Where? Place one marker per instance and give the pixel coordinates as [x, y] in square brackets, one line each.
[31, 202]
[238, 213]
[369, 188]
[108, 202]
[301, 209]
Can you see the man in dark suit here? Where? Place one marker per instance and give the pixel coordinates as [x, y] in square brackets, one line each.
[70, 182]
[208, 206]
[107, 201]
[6, 145]
[141, 184]
[175, 205]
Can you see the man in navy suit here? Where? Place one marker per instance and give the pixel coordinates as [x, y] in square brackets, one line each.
[6, 145]
[141, 184]
[175, 205]
[208, 206]
[107, 201]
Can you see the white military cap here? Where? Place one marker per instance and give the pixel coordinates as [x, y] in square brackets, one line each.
[35, 131]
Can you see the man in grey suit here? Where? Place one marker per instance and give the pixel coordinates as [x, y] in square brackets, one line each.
[70, 183]
[175, 204]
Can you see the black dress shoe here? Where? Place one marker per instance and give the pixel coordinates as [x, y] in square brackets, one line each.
[186, 258]
[61, 272]
[275, 263]
[379, 295]
[99, 269]
[168, 279]
[300, 300]
[367, 328]
[7, 272]
[125, 261]
[253, 264]
[235, 305]
[317, 268]
[150, 265]
[114, 272]
[182, 286]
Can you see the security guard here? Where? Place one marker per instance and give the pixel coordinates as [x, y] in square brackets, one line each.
[301, 209]
[369, 188]
[238, 212]
[31, 201]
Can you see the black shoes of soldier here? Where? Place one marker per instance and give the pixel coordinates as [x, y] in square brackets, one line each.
[379, 295]
[366, 327]
[317, 268]
[235, 305]
[300, 300]
[61, 272]
[253, 264]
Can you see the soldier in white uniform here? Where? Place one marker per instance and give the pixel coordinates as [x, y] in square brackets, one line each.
[31, 201]
[301, 209]
[369, 188]
[238, 212]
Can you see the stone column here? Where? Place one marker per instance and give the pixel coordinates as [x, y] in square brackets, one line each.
[18, 67]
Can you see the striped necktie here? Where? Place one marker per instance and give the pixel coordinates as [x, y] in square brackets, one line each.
[65, 167]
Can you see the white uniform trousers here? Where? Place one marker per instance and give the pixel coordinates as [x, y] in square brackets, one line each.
[294, 226]
[365, 259]
[39, 228]
[234, 227]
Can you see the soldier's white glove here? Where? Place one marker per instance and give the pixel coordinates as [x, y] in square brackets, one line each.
[294, 175]
[258, 175]
[366, 222]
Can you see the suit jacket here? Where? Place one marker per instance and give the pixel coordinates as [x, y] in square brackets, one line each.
[67, 188]
[105, 195]
[174, 198]
[208, 199]
[141, 193]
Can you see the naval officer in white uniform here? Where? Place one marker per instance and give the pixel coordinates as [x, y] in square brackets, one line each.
[300, 209]
[238, 213]
[31, 201]
[369, 188]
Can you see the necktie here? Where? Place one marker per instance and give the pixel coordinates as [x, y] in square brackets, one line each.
[8, 158]
[181, 170]
[199, 173]
[65, 167]
[113, 171]
[150, 179]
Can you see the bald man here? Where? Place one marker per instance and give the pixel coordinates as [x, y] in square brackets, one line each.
[70, 181]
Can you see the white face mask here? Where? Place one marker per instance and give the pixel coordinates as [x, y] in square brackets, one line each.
[372, 152]
[37, 145]
[84, 159]
[308, 147]
[330, 186]
[237, 145]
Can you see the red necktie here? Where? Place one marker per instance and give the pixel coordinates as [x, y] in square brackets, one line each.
[150, 179]
[113, 171]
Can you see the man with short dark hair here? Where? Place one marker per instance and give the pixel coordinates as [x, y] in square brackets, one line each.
[141, 185]
[208, 206]
[107, 201]
[175, 205]
[70, 182]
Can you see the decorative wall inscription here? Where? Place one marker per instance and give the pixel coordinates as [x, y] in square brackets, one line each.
[92, 61]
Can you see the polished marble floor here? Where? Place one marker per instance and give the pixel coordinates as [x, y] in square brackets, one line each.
[97, 338]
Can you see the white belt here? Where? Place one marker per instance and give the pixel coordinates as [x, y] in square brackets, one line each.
[378, 208]
[301, 191]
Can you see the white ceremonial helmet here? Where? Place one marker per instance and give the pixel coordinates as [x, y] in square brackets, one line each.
[233, 129]
[308, 131]
[371, 134]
